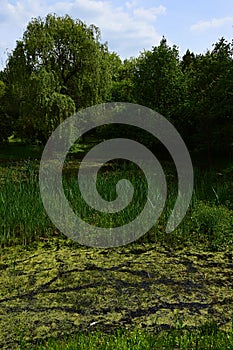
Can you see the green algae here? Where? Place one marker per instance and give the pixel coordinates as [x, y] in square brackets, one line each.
[55, 289]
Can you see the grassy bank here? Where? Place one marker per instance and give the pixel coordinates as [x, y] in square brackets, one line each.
[206, 337]
[209, 220]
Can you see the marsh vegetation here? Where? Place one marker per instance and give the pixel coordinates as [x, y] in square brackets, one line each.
[164, 290]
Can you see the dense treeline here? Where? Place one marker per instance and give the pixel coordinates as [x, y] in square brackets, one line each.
[61, 66]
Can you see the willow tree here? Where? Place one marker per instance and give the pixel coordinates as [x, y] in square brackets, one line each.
[58, 67]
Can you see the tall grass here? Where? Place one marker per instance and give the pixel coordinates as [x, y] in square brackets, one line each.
[23, 217]
[208, 336]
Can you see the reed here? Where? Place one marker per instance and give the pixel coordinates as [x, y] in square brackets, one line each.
[23, 217]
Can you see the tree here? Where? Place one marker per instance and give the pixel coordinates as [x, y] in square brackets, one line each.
[58, 66]
[5, 120]
[122, 79]
[187, 60]
[159, 80]
[210, 102]
[160, 85]
[2, 88]
[44, 107]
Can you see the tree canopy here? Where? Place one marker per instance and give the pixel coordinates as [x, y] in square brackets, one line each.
[60, 66]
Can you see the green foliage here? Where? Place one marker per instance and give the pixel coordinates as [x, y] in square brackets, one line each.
[209, 103]
[5, 126]
[44, 108]
[159, 80]
[21, 209]
[208, 336]
[209, 220]
[59, 66]
[122, 79]
[213, 225]
[5, 119]
[2, 89]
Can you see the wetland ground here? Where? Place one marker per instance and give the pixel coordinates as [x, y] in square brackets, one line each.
[51, 287]
[58, 288]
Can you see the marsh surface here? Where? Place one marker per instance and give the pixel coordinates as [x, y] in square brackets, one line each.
[59, 287]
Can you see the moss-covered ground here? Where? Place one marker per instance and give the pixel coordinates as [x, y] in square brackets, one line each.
[57, 287]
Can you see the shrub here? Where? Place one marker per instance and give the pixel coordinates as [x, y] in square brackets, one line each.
[212, 224]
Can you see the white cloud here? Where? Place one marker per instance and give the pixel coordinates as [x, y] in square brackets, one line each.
[128, 28]
[149, 14]
[18, 13]
[213, 23]
[130, 4]
[127, 31]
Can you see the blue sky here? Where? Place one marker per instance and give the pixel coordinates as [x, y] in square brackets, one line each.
[129, 26]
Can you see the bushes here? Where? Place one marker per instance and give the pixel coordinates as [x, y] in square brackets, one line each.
[212, 225]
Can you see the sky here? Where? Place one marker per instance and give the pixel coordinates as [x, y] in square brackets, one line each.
[128, 26]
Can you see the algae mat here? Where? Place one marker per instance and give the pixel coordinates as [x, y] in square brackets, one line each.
[59, 288]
